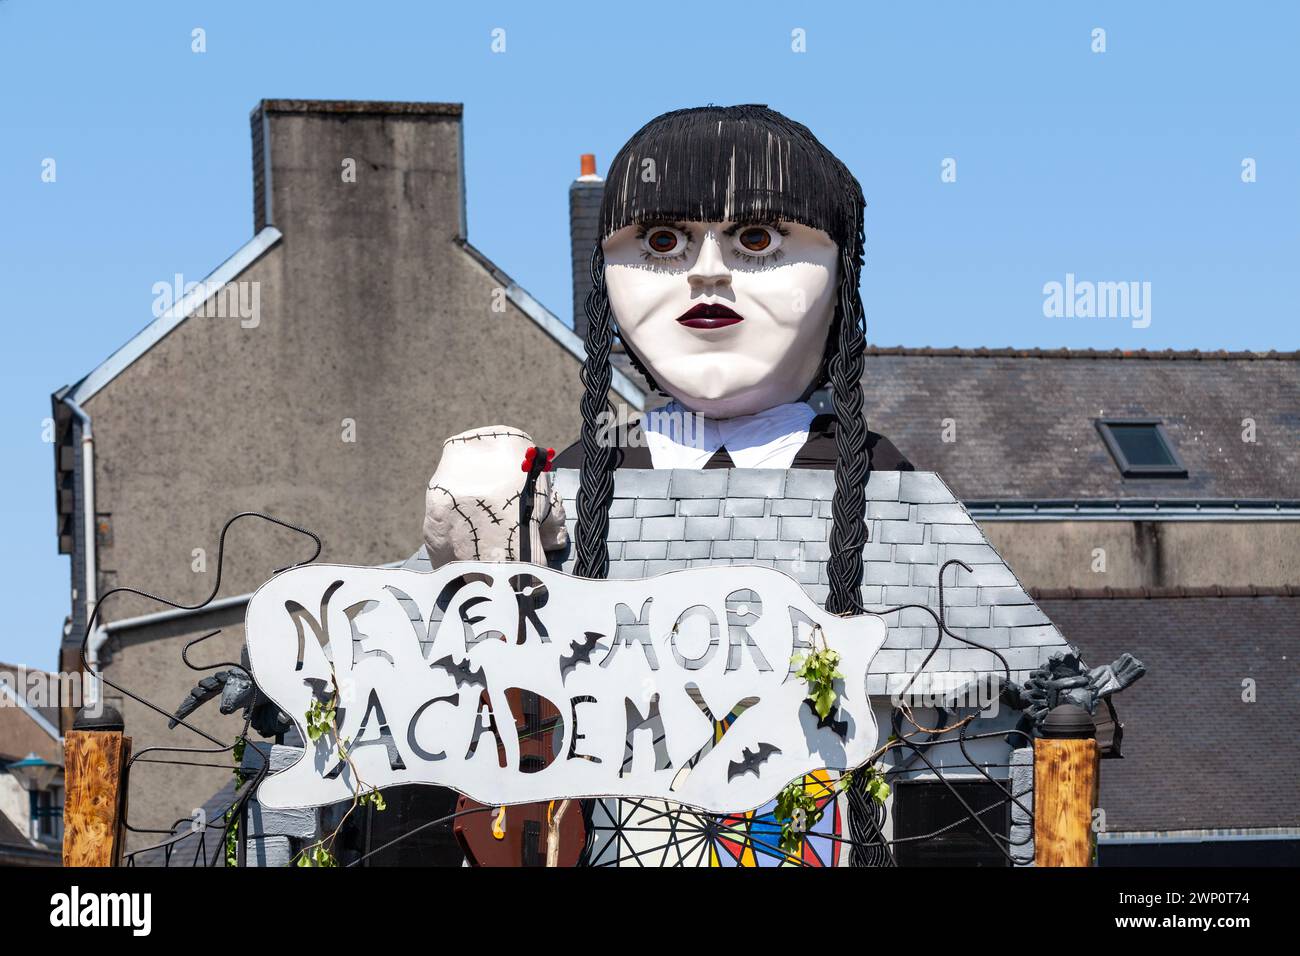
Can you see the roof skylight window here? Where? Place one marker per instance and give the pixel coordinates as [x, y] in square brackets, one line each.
[1141, 448]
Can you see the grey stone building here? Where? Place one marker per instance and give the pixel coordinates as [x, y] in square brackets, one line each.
[313, 376]
[31, 774]
[1150, 502]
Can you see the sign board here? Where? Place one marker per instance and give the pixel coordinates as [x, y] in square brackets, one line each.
[676, 687]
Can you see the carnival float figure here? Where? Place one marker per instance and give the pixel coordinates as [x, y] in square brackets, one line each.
[729, 266]
[730, 254]
[728, 262]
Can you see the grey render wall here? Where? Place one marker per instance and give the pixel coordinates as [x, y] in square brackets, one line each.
[371, 309]
[662, 520]
[1151, 554]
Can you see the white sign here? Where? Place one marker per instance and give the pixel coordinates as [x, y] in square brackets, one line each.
[677, 687]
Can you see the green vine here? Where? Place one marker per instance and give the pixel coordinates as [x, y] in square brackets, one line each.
[798, 812]
[232, 834]
[877, 788]
[322, 722]
[820, 668]
[317, 855]
[797, 809]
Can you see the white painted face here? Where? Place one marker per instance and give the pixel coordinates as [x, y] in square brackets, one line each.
[731, 318]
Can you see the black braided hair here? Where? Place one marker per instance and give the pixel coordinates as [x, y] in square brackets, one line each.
[735, 163]
[852, 461]
[596, 490]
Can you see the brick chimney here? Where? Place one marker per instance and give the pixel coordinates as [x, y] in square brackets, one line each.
[584, 225]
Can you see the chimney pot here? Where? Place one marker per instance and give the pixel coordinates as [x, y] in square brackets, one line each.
[588, 167]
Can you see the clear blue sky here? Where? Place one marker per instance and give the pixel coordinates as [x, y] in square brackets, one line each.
[1119, 166]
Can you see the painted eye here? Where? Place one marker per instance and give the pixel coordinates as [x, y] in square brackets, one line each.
[664, 242]
[757, 240]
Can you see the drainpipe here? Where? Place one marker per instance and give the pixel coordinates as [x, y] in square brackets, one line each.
[90, 586]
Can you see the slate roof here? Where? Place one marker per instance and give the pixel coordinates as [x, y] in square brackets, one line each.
[667, 519]
[11, 835]
[662, 520]
[17, 850]
[1196, 756]
[1030, 413]
[189, 850]
[1025, 419]
[16, 677]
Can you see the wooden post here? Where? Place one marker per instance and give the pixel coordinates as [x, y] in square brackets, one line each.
[1066, 776]
[95, 755]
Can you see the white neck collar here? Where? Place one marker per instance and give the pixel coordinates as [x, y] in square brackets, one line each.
[678, 438]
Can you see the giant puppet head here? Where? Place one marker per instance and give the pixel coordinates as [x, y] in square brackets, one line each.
[731, 244]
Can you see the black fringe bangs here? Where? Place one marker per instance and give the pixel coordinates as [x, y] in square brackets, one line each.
[734, 164]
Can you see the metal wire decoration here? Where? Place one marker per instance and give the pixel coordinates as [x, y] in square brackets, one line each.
[651, 833]
[852, 830]
[185, 842]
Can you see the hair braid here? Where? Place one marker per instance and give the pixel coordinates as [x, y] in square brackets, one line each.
[596, 489]
[852, 462]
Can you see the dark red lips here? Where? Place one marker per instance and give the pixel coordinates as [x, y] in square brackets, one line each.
[709, 316]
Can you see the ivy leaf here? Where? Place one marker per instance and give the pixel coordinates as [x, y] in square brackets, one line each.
[820, 669]
[824, 701]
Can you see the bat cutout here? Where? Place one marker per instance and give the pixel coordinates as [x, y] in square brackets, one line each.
[840, 728]
[720, 728]
[464, 676]
[320, 688]
[752, 760]
[580, 652]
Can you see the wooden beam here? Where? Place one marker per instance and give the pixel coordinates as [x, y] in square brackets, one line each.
[69, 663]
[1066, 775]
[94, 770]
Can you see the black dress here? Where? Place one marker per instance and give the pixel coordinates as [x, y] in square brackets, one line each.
[817, 452]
